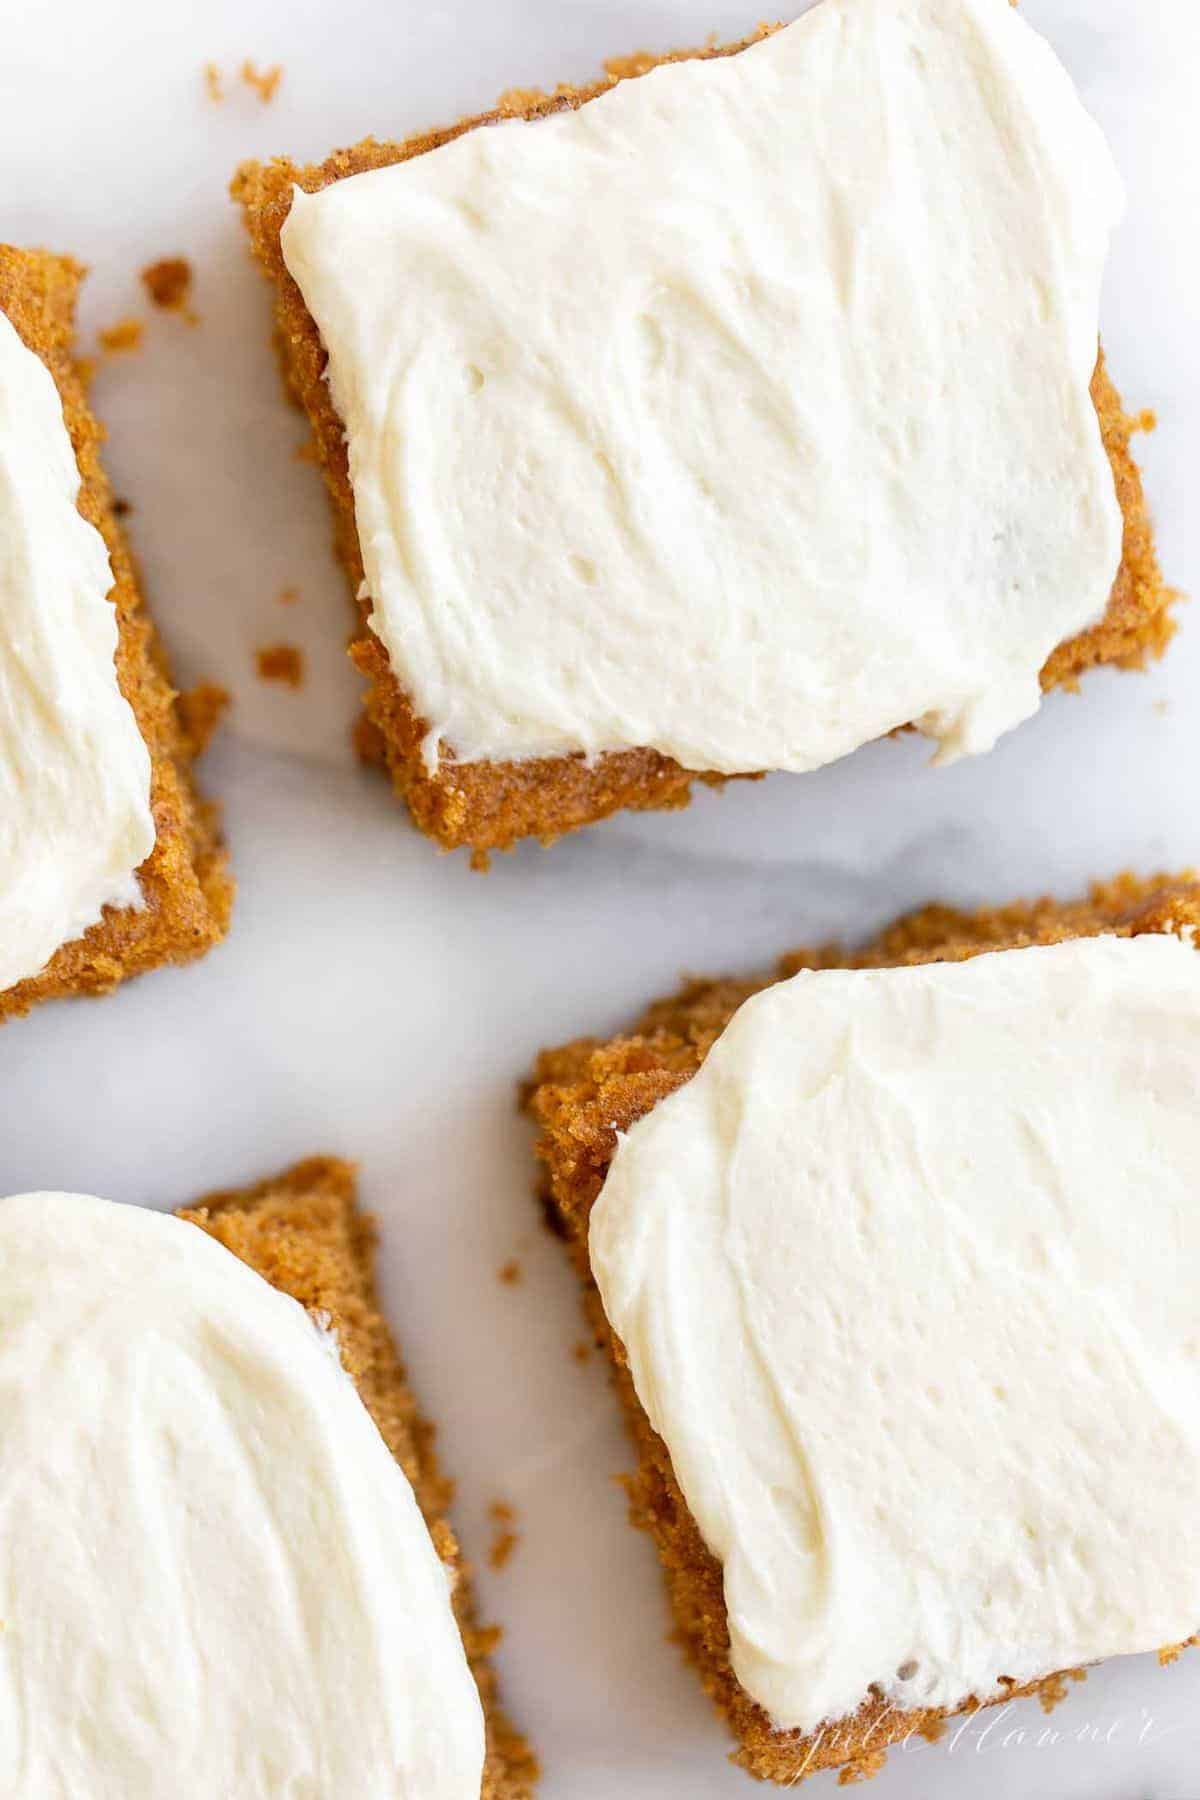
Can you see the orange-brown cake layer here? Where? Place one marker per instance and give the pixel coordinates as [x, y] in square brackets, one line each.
[185, 881]
[584, 1093]
[489, 805]
[302, 1231]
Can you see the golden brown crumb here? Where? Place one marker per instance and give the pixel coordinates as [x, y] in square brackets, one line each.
[504, 1539]
[212, 82]
[263, 81]
[288, 596]
[200, 712]
[281, 662]
[863, 1768]
[517, 100]
[125, 335]
[122, 508]
[1055, 1689]
[169, 285]
[510, 1272]
[581, 1350]
[640, 62]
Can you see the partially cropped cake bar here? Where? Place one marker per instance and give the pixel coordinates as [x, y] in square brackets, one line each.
[719, 417]
[896, 1253]
[111, 861]
[225, 1548]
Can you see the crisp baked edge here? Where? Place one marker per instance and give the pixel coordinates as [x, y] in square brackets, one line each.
[303, 1232]
[582, 1094]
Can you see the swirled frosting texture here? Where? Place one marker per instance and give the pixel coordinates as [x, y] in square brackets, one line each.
[75, 819]
[214, 1578]
[743, 413]
[907, 1276]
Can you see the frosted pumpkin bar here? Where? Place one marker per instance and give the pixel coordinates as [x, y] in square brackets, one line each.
[718, 418]
[896, 1254]
[226, 1567]
[110, 862]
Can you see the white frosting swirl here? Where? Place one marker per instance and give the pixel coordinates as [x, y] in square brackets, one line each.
[743, 413]
[907, 1275]
[214, 1577]
[75, 819]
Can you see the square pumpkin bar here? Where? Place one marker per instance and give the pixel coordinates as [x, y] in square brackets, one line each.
[112, 863]
[896, 1254]
[719, 417]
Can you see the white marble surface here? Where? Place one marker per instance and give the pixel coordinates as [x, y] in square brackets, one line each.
[379, 1000]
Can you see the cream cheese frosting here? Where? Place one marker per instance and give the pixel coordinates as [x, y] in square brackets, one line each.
[214, 1578]
[907, 1277]
[744, 412]
[75, 818]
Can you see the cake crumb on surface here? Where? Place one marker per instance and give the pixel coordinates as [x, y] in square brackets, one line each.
[510, 1272]
[288, 596]
[581, 1350]
[1055, 1688]
[201, 711]
[640, 62]
[265, 82]
[169, 285]
[504, 1537]
[280, 662]
[863, 1768]
[516, 100]
[125, 335]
